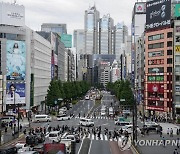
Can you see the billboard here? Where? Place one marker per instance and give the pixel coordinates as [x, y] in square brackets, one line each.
[67, 40]
[15, 60]
[177, 10]
[140, 8]
[177, 48]
[158, 14]
[155, 87]
[15, 93]
[12, 14]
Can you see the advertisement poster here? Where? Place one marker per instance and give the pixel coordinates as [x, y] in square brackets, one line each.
[16, 60]
[15, 93]
[155, 87]
[177, 10]
[158, 14]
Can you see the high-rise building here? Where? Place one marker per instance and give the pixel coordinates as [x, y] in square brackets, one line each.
[106, 25]
[158, 59]
[79, 39]
[57, 28]
[120, 39]
[138, 27]
[91, 30]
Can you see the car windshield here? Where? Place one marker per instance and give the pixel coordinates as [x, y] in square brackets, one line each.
[53, 135]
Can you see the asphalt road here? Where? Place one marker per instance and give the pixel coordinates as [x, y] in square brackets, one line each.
[91, 143]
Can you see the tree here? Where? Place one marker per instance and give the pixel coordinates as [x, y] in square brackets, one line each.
[53, 93]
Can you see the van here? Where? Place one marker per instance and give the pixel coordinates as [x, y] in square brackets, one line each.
[63, 117]
[55, 136]
[42, 118]
[86, 122]
[8, 119]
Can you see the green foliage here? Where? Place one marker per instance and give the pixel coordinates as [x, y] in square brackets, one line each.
[122, 90]
[66, 91]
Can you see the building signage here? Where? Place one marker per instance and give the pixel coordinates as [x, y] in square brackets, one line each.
[155, 87]
[178, 29]
[155, 108]
[15, 93]
[12, 14]
[155, 78]
[177, 39]
[177, 48]
[156, 62]
[140, 8]
[15, 60]
[177, 10]
[158, 14]
[67, 40]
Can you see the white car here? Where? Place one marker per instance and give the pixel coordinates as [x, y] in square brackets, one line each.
[54, 136]
[86, 122]
[129, 129]
[63, 117]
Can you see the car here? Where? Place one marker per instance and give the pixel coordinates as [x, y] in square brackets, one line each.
[63, 117]
[40, 137]
[9, 150]
[55, 136]
[151, 125]
[72, 137]
[128, 128]
[86, 122]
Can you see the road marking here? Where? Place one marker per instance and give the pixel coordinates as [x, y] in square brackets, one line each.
[106, 138]
[80, 146]
[89, 136]
[92, 136]
[90, 147]
[105, 124]
[101, 136]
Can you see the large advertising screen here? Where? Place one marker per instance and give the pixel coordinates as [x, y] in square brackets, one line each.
[15, 60]
[11, 14]
[158, 14]
[67, 40]
[15, 93]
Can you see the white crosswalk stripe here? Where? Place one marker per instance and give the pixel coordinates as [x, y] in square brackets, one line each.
[97, 117]
[103, 137]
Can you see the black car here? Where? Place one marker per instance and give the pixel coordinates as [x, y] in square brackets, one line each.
[8, 150]
[32, 140]
[40, 137]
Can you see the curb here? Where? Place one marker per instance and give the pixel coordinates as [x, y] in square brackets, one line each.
[14, 140]
[134, 150]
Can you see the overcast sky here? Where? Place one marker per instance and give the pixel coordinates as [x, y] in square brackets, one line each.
[71, 12]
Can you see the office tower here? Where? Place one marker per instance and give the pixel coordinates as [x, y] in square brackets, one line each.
[57, 28]
[106, 25]
[91, 30]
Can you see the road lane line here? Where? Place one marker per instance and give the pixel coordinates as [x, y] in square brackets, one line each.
[90, 147]
[80, 146]
[105, 137]
[92, 136]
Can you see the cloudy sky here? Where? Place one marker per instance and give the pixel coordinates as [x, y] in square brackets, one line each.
[71, 12]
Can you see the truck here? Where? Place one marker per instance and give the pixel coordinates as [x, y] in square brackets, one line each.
[111, 111]
[54, 148]
[103, 110]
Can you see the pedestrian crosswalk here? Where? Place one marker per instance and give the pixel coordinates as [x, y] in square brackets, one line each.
[102, 137]
[97, 117]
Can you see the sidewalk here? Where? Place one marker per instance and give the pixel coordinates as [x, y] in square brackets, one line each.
[7, 136]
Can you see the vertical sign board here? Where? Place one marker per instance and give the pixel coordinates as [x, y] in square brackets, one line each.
[158, 14]
[177, 10]
[16, 71]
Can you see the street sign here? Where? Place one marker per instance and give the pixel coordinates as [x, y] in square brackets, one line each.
[55, 102]
[122, 100]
